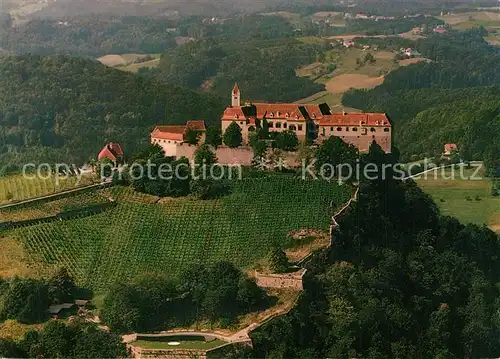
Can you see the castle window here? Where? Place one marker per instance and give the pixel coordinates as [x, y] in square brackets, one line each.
[270, 124]
[285, 125]
[386, 129]
[363, 131]
[271, 115]
[331, 129]
[355, 129]
[339, 128]
[251, 129]
[278, 124]
[300, 127]
[287, 115]
[292, 128]
[347, 129]
[241, 123]
[372, 129]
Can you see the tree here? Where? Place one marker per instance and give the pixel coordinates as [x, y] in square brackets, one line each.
[95, 343]
[25, 300]
[213, 136]
[287, 141]
[334, 151]
[278, 261]
[232, 136]
[9, 349]
[369, 58]
[62, 288]
[192, 136]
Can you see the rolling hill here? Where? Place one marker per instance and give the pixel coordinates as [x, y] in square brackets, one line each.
[68, 108]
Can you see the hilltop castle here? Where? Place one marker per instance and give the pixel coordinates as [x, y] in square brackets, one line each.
[314, 120]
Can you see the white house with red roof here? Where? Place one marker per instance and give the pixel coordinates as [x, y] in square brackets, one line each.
[449, 148]
[112, 151]
[169, 137]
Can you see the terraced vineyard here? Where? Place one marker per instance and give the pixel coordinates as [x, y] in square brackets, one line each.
[18, 188]
[137, 236]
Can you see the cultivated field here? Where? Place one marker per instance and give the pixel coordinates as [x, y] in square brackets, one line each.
[16, 188]
[139, 236]
[129, 62]
[350, 71]
[342, 83]
[468, 200]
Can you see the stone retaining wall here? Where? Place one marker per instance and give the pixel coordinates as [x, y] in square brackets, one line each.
[281, 281]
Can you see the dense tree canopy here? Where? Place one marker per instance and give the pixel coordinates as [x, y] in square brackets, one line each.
[401, 281]
[68, 108]
[264, 69]
[218, 292]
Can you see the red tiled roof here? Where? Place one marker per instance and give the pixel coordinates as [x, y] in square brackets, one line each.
[198, 125]
[112, 151]
[231, 112]
[355, 119]
[313, 110]
[176, 132]
[450, 146]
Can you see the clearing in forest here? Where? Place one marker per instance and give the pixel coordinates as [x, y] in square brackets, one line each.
[467, 199]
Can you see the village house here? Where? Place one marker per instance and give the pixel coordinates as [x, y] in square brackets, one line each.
[440, 29]
[170, 137]
[449, 148]
[112, 151]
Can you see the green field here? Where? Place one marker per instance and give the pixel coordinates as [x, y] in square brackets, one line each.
[136, 237]
[16, 187]
[468, 200]
[187, 344]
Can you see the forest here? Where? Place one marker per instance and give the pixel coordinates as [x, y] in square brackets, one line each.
[65, 109]
[266, 69]
[401, 281]
[92, 36]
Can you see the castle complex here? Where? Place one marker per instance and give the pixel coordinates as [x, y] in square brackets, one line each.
[306, 120]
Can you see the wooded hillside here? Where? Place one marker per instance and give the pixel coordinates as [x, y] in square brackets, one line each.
[68, 108]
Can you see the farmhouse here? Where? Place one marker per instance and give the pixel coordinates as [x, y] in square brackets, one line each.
[112, 151]
[314, 121]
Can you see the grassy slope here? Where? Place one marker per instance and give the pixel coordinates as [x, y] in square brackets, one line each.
[137, 237]
[454, 193]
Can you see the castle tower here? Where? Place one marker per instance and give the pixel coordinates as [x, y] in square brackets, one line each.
[236, 96]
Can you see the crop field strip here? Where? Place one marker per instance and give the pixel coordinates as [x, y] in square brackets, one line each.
[136, 237]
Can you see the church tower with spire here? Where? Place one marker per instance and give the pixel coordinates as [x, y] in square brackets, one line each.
[236, 96]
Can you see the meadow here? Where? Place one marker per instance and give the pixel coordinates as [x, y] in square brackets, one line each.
[468, 200]
[139, 236]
